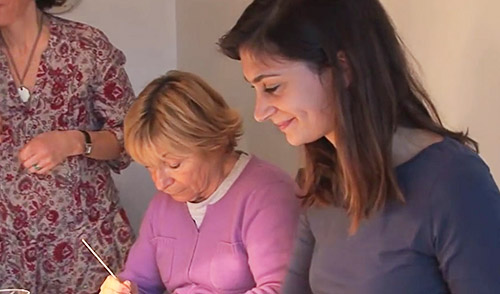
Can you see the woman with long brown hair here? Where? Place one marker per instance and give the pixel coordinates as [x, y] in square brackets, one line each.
[397, 203]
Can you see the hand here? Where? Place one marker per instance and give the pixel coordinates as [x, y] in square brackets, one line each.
[113, 286]
[48, 150]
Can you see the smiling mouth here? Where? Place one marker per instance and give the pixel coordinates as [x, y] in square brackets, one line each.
[284, 124]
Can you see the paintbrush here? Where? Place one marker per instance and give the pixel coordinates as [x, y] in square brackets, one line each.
[98, 258]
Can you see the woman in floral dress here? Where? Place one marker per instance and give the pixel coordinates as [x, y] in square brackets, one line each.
[59, 82]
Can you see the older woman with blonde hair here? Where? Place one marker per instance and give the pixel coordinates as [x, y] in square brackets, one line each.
[223, 221]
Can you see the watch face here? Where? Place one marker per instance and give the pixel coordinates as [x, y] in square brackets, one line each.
[88, 149]
[62, 6]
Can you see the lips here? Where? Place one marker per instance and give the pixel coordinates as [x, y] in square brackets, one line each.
[284, 124]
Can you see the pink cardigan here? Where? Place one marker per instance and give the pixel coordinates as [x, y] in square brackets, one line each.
[242, 246]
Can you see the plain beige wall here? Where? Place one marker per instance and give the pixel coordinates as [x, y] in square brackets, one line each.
[199, 24]
[457, 43]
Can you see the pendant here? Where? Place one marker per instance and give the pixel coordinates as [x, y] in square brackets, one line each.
[24, 93]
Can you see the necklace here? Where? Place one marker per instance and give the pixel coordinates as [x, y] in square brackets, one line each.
[24, 92]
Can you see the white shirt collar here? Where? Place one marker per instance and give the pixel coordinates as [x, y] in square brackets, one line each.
[198, 210]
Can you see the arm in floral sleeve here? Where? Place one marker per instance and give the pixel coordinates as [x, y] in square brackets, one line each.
[268, 232]
[112, 96]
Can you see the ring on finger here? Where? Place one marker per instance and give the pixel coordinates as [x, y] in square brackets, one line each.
[36, 167]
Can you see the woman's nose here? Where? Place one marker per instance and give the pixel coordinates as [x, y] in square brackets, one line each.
[263, 109]
[162, 179]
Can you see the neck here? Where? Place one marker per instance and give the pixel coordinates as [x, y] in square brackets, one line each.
[219, 175]
[407, 143]
[331, 138]
[21, 34]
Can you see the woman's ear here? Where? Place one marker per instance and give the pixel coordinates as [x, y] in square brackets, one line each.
[346, 67]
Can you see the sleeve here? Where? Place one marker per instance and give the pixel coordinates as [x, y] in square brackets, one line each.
[112, 94]
[268, 231]
[141, 267]
[297, 278]
[466, 227]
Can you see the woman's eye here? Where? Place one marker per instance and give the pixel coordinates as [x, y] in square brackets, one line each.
[271, 89]
[174, 166]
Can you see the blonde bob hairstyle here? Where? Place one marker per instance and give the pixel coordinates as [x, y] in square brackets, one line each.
[179, 113]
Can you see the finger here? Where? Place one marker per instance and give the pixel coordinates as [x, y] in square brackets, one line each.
[128, 284]
[30, 162]
[35, 168]
[44, 168]
[112, 285]
[124, 287]
[112, 291]
[25, 152]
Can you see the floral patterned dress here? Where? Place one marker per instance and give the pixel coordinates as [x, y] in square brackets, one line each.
[81, 84]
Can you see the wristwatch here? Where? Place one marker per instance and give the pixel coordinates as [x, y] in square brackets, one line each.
[88, 143]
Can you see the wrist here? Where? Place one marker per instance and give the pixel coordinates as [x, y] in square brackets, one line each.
[87, 144]
[77, 146]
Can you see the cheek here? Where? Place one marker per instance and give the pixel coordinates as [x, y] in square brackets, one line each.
[313, 122]
[319, 108]
[153, 176]
[323, 124]
[7, 16]
[196, 181]
[200, 179]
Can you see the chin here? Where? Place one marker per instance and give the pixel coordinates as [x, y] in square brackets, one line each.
[300, 140]
[294, 141]
[5, 20]
[182, 198]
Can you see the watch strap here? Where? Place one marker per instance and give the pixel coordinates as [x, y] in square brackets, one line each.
[88, 142]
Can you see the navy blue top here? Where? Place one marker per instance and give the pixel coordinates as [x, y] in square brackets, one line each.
[444, 239]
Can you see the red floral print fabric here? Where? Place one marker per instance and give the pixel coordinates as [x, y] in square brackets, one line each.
[81, 84]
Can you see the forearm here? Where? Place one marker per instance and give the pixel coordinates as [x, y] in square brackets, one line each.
[105, 146]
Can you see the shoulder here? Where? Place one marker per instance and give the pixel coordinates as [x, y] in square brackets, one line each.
[263, 172]
[83, 37]
[76, 31]
[160, 206]
[264, 183]
[461, 170]
[444, 181]
[443, 165]
[463, 186]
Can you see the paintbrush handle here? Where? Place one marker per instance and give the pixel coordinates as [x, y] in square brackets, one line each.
[98, 258]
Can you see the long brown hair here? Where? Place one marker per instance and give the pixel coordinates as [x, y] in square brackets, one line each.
[357, 173]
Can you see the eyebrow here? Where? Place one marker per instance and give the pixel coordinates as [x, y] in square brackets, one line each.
[261, 77]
